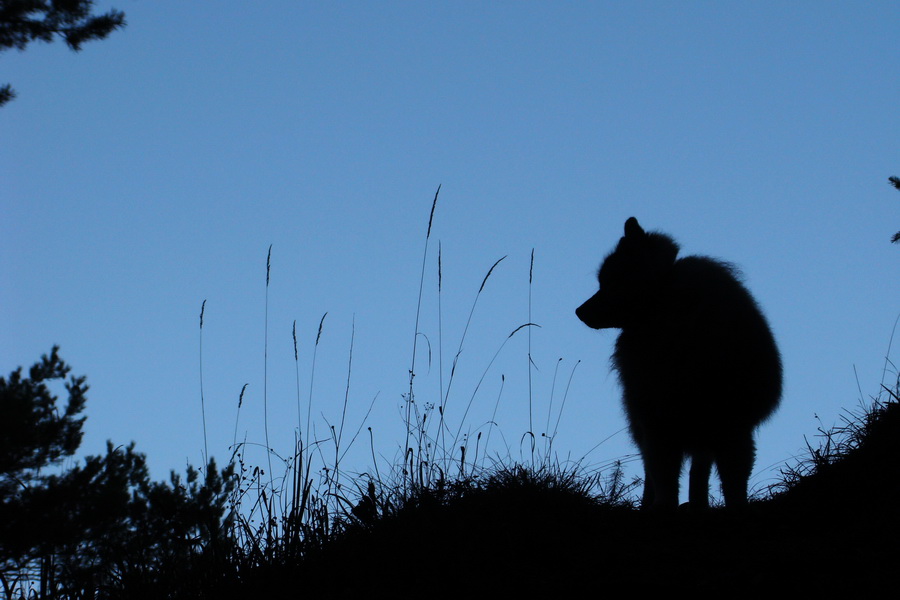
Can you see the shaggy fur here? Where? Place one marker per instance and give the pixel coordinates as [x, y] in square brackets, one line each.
[696, 359]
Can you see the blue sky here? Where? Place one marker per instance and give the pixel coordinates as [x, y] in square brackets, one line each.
[153, 170]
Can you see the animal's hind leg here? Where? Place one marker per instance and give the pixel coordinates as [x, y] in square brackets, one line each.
[734, 462]
[648, 496]
[698, 490]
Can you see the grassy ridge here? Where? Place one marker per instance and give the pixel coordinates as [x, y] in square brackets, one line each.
[825, 529]
[439, 524]
[547, 528]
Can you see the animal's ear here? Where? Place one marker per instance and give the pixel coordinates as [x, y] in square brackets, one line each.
[633, 229]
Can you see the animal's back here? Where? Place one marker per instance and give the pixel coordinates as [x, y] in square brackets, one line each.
[704, 360]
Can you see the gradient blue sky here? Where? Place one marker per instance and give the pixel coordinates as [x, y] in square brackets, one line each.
[154, 169]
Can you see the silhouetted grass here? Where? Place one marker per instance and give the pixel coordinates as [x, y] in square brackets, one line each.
[826, 529]
[445, 521]
[855, 463]
[281, 524]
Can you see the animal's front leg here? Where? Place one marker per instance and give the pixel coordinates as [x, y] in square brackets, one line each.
[662, 468]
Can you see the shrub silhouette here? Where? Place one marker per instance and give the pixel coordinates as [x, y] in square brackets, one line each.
[102, 528]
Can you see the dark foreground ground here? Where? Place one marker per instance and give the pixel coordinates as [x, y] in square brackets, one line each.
[831, 533]
[543, 543]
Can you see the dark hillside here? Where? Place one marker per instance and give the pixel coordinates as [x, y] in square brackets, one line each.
[830, 530]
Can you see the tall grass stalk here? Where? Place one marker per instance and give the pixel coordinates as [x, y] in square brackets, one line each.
[441, 436]
[549, 437]
[530, 360]
[238, 417]
[493, 422]
[412, 369]
[362, 424]
[297, 377]
[202, 401]
[305, 518]
[266, 372]
[295, 507]
[312, 374]
[483, 375]
[340, 433]
[304, 455]
[546, 434]
[562, 405]
[440, 337]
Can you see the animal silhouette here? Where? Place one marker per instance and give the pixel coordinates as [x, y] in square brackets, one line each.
[697, 362]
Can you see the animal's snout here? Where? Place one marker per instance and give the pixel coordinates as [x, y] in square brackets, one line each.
[591, 312]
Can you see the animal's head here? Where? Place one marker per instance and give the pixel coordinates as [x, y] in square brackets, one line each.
[630, 278]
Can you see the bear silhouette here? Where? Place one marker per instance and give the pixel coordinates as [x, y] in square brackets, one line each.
[696, 360]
